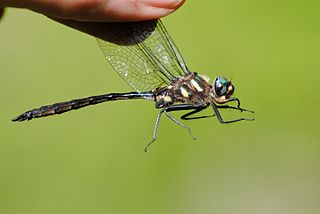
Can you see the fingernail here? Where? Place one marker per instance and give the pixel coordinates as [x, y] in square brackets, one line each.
[168, 4]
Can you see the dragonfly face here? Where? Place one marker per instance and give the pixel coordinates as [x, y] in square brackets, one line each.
[222, 90]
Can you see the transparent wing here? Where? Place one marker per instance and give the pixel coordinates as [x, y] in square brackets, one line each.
[142, 53]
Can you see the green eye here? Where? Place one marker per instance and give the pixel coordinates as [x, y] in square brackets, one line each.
[221, 86]
[223, 81]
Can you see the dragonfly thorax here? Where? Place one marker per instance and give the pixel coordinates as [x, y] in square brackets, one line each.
[190, 88]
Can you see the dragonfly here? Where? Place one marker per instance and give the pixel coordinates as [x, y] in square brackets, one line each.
[146, 57]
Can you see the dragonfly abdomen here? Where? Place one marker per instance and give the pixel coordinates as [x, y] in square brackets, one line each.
[59, 108]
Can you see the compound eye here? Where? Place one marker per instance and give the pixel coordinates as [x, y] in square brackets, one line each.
[220, 86]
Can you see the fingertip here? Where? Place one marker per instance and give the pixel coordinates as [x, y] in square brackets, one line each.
[119, 10]
[167, 4]
[138, 10]
[153, 9]
[154, 13]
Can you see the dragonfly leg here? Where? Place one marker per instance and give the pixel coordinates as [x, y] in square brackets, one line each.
[238, 105]
[186, 116]
[231, 107]
[216, 111]
[154, 131]
[173, 108]
[180, 124]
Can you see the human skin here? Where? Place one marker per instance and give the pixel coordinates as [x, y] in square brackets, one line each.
[98, 10]
[83, 14]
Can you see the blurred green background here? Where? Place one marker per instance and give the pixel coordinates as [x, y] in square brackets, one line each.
[92, 160]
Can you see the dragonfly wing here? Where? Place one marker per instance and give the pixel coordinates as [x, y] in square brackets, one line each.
[142, 53]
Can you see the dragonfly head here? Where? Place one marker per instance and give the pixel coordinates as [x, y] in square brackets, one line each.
[222, 89]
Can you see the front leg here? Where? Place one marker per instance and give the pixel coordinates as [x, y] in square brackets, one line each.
[216, 111]
[238, 105]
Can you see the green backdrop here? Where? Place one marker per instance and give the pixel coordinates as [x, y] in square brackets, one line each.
[92, 160]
